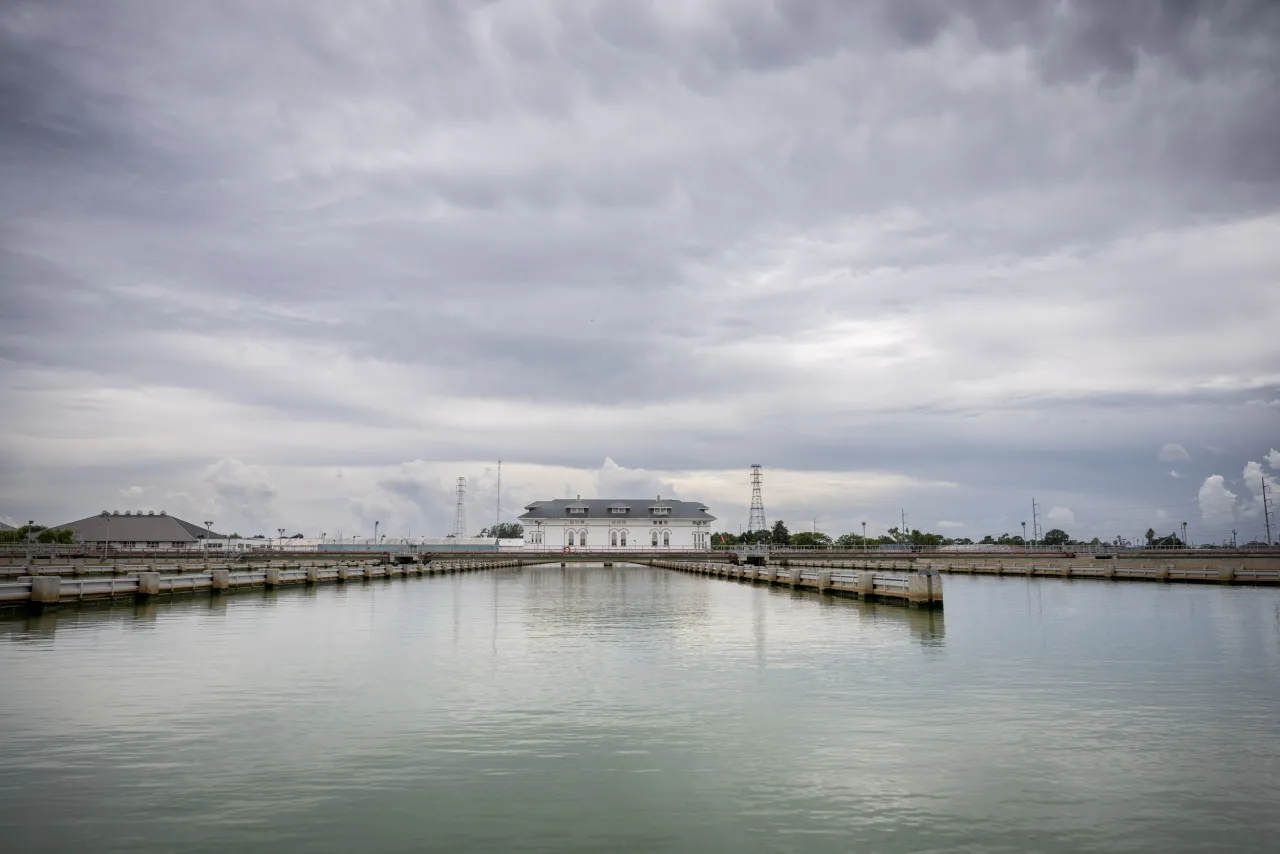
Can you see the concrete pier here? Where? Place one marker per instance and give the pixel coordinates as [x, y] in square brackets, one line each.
[916, 589]
[48, 591]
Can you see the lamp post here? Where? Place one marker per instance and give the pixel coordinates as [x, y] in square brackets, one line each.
[375, 533]
[1024, 535]
[280, 543]
[1184, 535]
[864, 536]
[107, 542]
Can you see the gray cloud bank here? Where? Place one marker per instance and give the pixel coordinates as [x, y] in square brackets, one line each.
[1013, 247]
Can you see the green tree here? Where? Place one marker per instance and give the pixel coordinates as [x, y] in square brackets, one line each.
[21, 535]
[1151, 535]
[850, 541]
[504, 531]
[60, 536]
[810, 538]
[780, 535]
[988, 540]
[1055, 537]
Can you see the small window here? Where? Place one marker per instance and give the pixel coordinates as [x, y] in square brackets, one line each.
[624, 539]
[653, 539]
[571, 538]
[666, 539]
[582, 538]
[153, 545]
[613, 539]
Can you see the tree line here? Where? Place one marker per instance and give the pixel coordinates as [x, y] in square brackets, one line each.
[779, 535]
[42, 535]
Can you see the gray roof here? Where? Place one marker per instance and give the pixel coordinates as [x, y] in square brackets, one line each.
[598, 508]
[4, 527]
[137, 528]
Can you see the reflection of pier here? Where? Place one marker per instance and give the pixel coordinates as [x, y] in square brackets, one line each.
[917, 588]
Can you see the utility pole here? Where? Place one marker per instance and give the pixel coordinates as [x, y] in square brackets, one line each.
[1266, 508]
[1035, 520]
[1233, 538]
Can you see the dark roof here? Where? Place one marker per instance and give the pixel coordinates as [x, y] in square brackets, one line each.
[599, 508]
[4, 527]
[137, 528]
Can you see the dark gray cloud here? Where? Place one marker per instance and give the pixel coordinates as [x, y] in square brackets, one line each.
[1004, 245]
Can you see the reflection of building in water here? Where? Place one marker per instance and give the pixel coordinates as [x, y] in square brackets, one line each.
[603, 524]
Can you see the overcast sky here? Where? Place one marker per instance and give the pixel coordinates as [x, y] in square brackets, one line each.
[301, 265]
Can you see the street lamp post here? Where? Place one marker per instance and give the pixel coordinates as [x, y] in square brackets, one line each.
[375, 533]
[107, 542]
[864, 536]
[1024, 535]
[280, 543]
[1184, 535]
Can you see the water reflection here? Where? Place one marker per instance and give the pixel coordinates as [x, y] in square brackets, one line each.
[564, 709]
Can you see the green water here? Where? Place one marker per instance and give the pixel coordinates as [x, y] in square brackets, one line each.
[629, 709]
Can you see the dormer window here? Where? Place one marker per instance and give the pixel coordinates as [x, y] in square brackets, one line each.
[619, 509]
[660, 510]
[577, 511]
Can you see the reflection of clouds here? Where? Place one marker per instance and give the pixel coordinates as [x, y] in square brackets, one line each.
[1056, 713]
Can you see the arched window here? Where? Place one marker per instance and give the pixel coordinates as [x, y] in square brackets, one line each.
[666, 539]
[653, 539]
[624, 539]
[582, 538]
[613, 538]
[571, 538]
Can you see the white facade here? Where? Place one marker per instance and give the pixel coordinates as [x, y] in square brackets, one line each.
[602, 525]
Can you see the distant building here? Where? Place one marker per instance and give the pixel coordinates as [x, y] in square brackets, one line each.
[150, 531]
[4, 527]
[603, 524]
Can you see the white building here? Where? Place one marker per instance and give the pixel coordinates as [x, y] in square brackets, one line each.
[612, 524]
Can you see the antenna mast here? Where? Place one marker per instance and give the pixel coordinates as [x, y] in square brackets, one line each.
[757, 522]
[1266, 508]
[460, 512]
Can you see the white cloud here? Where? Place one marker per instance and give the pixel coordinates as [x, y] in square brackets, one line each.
[132, 491]
[947, 524]
[1059, 516]
[244, 492]
[615, 481]
[1252, 476]
[1273, 459]
[1217, 503]
[1172, 453]
[1176, 474]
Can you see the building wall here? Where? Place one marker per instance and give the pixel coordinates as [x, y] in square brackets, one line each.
[631, 534]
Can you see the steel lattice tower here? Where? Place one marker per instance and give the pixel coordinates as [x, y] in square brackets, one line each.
[460, 513]
[758, 522]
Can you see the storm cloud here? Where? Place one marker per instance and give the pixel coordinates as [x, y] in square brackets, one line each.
[939, 258]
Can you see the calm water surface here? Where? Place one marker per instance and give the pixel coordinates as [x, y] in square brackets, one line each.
[629, 709]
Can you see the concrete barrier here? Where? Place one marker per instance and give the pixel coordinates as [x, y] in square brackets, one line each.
[46, 590]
